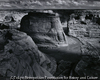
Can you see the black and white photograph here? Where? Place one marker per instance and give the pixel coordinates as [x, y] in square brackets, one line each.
[49, 39]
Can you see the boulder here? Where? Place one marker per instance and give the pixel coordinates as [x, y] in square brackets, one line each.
[44, 28]
[19, 56]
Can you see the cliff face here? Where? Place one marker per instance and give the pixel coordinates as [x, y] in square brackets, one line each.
[45, 29]
[19, 56]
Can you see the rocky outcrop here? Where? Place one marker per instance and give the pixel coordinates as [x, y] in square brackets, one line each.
[89, 65]
[9, 23]
[64, 68]
[44, 28]
[19, 56]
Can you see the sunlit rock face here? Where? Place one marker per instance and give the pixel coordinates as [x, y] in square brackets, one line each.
[44, 28]
[85, 25]
[10, 19]
[9, 23]
[19, 56]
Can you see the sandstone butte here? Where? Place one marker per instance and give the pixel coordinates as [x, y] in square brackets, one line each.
[47, 32]
[45, 29]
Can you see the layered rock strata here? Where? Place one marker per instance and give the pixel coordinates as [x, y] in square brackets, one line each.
[44, 28]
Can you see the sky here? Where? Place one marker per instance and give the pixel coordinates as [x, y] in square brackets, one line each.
[49, 4]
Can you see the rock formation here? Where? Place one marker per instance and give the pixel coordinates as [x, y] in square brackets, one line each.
[9, 23]
[19, 56]
[89, 65]
[44, 28]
